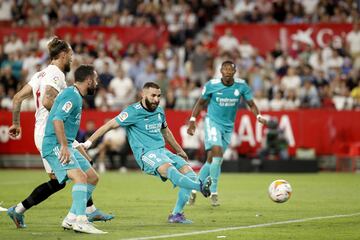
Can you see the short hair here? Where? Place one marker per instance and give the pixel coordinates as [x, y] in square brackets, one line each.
[83, 72]
[228, 62]
[151, 85]
[56, 46]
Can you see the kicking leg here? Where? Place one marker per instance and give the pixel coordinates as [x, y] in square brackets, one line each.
[177, 215]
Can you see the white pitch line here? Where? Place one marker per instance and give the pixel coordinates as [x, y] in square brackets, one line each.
[244, 227]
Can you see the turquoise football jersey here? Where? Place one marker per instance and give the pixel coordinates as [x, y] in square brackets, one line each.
[224, 100]
[67, 108]
[143, 128]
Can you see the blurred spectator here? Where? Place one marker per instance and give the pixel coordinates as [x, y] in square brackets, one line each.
[122, 89]
[114, 143]
[308, 95]
[353, 41]
[14, 44]
[228, 42]
[190, 144]
[105, 76]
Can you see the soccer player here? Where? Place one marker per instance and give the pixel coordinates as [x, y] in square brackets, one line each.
[57, 147]
[222, 98]
[44, 86]
[147, 129]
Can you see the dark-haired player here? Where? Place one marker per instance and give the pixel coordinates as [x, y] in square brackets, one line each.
[147, 131]
[44, 86]
[222, 97]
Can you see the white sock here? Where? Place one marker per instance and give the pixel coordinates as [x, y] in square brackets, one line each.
[81, 218]
[90, 209]
[20, 208]
[71, 216]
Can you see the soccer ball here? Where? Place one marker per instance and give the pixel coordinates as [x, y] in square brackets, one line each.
[280, 191]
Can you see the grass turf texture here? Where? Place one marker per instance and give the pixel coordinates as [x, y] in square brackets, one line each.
[142, 203]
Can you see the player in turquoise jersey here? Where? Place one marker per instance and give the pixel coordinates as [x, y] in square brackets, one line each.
[222, 97]
[67, 162]
[147, 132]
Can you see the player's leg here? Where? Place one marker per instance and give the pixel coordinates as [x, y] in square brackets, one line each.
[81, 192]
[92, 213]
[156, 162]
[38, 195]
[215, 171]
[215, 168]
[177, 215]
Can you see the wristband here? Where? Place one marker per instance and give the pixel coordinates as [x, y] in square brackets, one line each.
[192, 119]
[87, 144]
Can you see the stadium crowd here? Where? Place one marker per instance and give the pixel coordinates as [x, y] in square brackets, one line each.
[305, 77]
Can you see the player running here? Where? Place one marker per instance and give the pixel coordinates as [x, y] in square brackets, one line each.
[222, 98]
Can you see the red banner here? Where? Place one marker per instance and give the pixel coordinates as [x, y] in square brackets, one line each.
[265, 36]
[146, 35]
[319, 129]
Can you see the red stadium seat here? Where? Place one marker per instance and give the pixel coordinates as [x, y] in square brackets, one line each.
[347, 155]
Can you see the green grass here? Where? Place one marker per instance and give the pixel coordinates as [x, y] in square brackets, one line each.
[142, 203]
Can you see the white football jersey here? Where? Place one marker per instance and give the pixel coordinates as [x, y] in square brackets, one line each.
[53, 77]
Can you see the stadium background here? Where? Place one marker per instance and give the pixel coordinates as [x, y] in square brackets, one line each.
[301, 59]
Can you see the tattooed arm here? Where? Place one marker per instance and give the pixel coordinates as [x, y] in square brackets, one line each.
[49, 97]
[19, 97]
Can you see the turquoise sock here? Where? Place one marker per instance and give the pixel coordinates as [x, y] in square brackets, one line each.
[204, 171]
[183, 195]
[178, 179]
[215, 170]
[79, 196]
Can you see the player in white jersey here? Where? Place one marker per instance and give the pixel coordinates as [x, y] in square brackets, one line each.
[44, 86]
[51, 76]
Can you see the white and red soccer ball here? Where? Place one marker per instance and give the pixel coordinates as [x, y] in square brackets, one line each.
[280, 191]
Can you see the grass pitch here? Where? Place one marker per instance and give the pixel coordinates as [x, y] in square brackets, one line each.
[142, 203]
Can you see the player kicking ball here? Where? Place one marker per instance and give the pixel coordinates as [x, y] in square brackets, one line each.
[147, 132]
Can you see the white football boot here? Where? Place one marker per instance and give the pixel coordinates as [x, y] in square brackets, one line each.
[85, 226]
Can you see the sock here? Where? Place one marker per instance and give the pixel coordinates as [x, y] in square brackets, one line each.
[20, 208]
[183, 195]
[215, 170]
[71, 216]
[40, 193]
[79, 196]
[204, 171]
[178, 179]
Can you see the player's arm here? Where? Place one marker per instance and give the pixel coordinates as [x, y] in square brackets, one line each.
[49, 97]
[19, 97]
[170, 139]
[199, 106]
[60, 134]
[256, 112]
[100, 132]
[82, 150]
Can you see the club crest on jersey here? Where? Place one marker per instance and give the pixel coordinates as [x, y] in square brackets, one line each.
[236, 92]
[56, 79]
[67, 106]
[123, 116]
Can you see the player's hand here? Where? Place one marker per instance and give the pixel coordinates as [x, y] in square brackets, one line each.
[183, 155]
[14, 131]
[191, 129]
[262, 120]
[64, 155]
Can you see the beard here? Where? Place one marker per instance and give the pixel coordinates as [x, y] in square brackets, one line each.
[67, 67]
[91, 91]
[151, 106]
